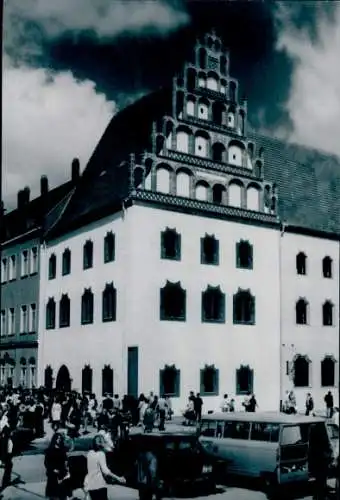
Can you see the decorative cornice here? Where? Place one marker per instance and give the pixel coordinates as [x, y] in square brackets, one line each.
[171, 202]
[209, 125]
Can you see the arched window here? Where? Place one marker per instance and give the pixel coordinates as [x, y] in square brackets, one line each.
[183, 184]
[327, 265]
[88, 255]
[244, 255]
[50, 314]
[218, 111]
[235, 155]
[201, 191]
[107, 380]
[86, 379]
[87, 307]
[209, 381]
[179, 104]
[191, 79]
[169, 129]
[301, 312]
[201, 145]
[213, 305]
[170, 244]
[163, 180]
[235, 194]
[218, 152]
[182, 140]
[209, 250]
[109, 247]
[64, 311]
[301, 263]
[109, 302]
[253, 198]
[301, 371]
[242, 123]
[190, 107]
[244, 308]
[212, 81]
[218, 193]
[23, 372]
[48, 378]
[231, 119]
[327, 313]
[66, 262]
[138, 175]
[258, 168]
[172, 302]
[160, 144]
[328, 372]
[170, 381]
[52, 267]
[244, 380]
[202, 80]
[203, 110]
[202, 56]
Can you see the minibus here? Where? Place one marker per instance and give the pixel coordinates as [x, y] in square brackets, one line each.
[268, 445]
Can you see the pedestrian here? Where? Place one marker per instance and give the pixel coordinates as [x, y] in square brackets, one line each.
[252, 404]
[98, 472]
[161, 409]
[225, 404]
[169, 411]
[245, 403]
[292, 403]
[56, 414]
[309, 404]
[232, 405]
[198, 404]
[6, 456]
[57, 486]
[329, 404]
[149, 419]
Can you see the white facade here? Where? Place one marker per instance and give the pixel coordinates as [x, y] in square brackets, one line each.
[312, 339]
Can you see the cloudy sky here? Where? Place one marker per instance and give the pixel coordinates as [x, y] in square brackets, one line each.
[69, 65]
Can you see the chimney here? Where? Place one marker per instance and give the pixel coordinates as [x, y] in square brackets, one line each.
[23, 197]
[75, 172]
[26, 195]
[43, 185]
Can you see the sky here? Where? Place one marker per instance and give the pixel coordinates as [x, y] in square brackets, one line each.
[70, 65]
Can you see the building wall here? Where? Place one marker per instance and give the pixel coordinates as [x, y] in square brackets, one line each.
[96, 344]
[312, 339]
[16, 292]
[192, 344]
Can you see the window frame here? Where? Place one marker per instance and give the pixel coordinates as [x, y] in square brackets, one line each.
[109, 256]
[177, 244]
[33, 318]
[239, 391]
[5, 263]
[66, 262]
[50, 314]
[25, 263]
[327, 272]
[327, 313]
[250, 255]
[52, 267]
[109, 287]
[242, 292]
[172, 286]
[88, 255]
[177, 381]
[4, 323]
[215, 383]
[215, 261]
[12, 267]
[306, 360]
[301, 266]
[24, 319]
[327, 359]
[212, 291]
[64, 319]
[301, 322]
[34, 262]
[87, 295]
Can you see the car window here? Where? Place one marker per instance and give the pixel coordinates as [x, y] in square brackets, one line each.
[295, 434]
[333, 431]
[185, 445]
[264, 432]
[236, 430]
[170, 445]
[208, 428]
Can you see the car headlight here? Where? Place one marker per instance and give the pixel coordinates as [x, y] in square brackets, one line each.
[206, 469]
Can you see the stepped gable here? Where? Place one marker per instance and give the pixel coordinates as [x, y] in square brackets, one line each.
[308, 183]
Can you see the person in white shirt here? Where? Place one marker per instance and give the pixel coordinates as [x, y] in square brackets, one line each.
[225, 403]
[56, 415]
[98, 471]
[108, 443]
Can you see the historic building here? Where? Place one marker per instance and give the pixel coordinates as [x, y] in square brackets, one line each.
[20, 280]
[173, 266]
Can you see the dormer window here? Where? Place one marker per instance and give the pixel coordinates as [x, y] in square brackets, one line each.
[209, 250]
[88, 255]
[170, 244]
[327, 265]
[52, 267]
[244, 255]
[301, 264]
[172, 302]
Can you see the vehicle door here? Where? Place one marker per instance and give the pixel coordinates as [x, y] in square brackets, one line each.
[236, 444]
[263, 448]
[293, 452]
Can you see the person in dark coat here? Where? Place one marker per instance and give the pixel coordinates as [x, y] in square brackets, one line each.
[319, 460]
[57, 487]
[6, 456]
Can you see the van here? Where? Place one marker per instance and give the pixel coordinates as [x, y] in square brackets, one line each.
[270, 446]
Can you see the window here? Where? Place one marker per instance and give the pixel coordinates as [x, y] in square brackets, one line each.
[50, 314]
[33, 318]
[31, 374]
[24, 263]
[209, 381]
[244, 255]
[88, 255]
[66, 262]
[109, 247]
[52, 267]
[34, 260]
[213, 305]
[172, 302]
[327, 265]
[12, 268]
[11, 321]
[327, 313]
[169, 379]
[301, 371]
[87, 307]
[244, 380]
[64, 311]
[328, 372]
[236, 430]
[209, 250]
[23, 375]
[86, 379]
[170, 244]
[244, 308]
[265, 432]
[301, 263]
[3, 322]
[24, 319]
[107, 380]
[301, 309]
[109, 302]
[4, 270]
